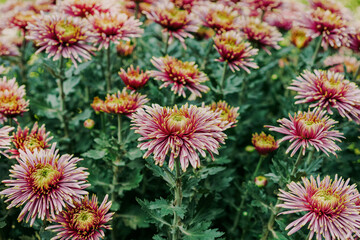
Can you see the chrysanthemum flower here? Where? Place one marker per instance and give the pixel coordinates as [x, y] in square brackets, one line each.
[5, 139]
[23, 139]
[109, 27]
[44, 182]
[176, 22]
[337, 62]
[264, 144]
[124, 103]
[327, 89]
[181, 132]
[84, 8]
[299, 37]
[264, 5]
[97, 104]
[235, 51]
[228, 114]
[333, 29]
[12, 98]
[180, 74]
[8, 49]
[261, 33]
[125, 48]
[21, 19]
[311, 128]
[218, 17]
[61, 36]
[333, 6]
[85, 220]
[329, 206]
[354, 40]
[133, 78]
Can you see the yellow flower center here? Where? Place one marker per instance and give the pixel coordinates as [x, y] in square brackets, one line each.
[44, 176]
[333, 84]
[178, 122]
[33, 143]
[182, 72]
[325, 198]
[84, 220]
[67, 33]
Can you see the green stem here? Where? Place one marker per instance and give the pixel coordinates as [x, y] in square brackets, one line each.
[23, 61]
[208, 50]
[62, 97]
[136, 9]
[172, 101]
[318, 45]
[262, 157]
[270, 224]
[116, 172]
[222, 81]
[166, 43]
[310, 156]
[10, 122]
[43, 229]
[356, 73]
[108, 69]
[177, 201]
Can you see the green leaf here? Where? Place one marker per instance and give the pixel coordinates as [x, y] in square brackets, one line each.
[70, 84]
[155, 217]
[201, 232]
[134, 154]
[165, 208]
[2, 224]
[94, 154]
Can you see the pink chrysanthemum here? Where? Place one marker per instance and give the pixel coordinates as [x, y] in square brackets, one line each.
[330, 26]
[333, 6]
[8, 49]
[109, 27]
[85, 220]
[327, 89]
[235, 51]
[5, 139]
[124, 103]
[21, 19]
[181, 132]
[354, 40]
[24, 139]
[264, 144]
[176, 22]
[125, 48]
[61, 36]
[134, 79]
[84, 8]
[185, 4]
[218, 17]
[311, 128]
[337, 62]
[261, 33]
[180, 74]
[12, 98]
[329, 206]
[228, 114]
[44, 182]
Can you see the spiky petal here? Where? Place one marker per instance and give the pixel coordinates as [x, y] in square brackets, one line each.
[311, 128]
[181, 75]
[264, 144]
[85, 220]
[5, 139]
[327, 90]
[182, 132]
[44, 182]
[134, 79]
[329, 206]
[235, 51]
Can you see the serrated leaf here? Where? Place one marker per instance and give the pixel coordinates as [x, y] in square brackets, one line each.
[201, 232]
[154, 216]
[2, 224]
[70, 84]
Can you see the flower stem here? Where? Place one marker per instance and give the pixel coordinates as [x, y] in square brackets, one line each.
[166, 44]
[116, 171]
[310, 156]
[356, 73]
[208, 50]
[108, 68]
[177, 201]
[262, 157]
[23, 61]
[275, 211]
[136, 9]
[62, 96]
[318, 45]
[222, 82]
